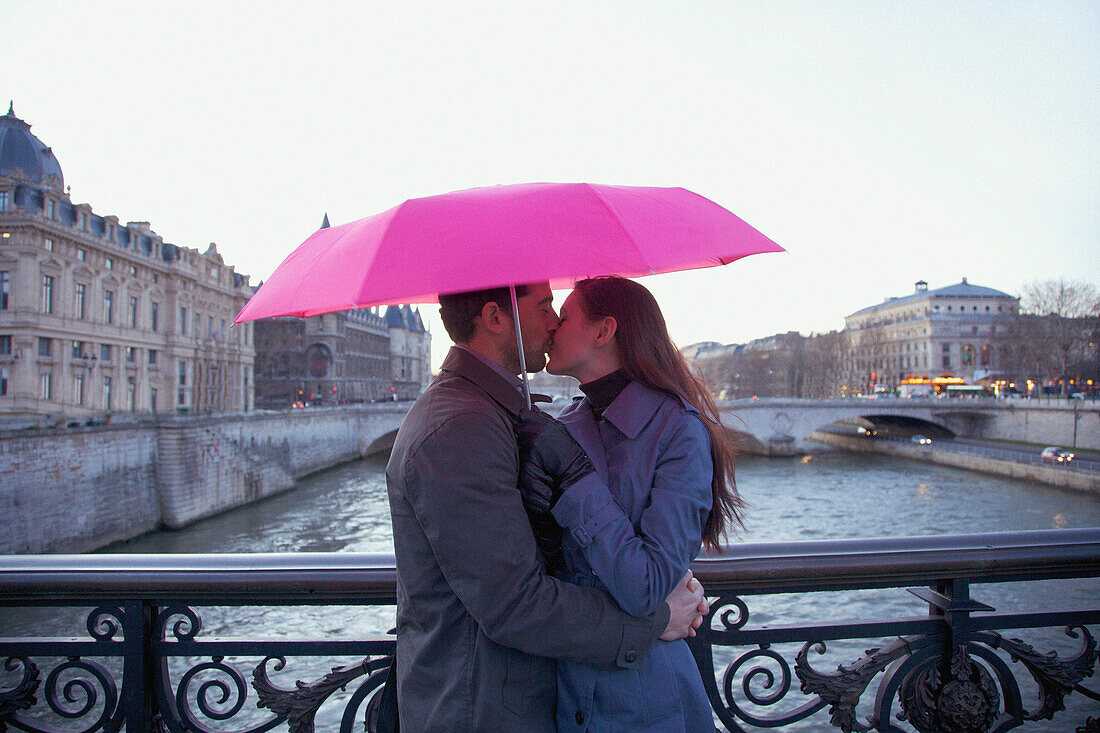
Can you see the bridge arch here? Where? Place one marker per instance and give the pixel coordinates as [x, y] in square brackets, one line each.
[773, 421]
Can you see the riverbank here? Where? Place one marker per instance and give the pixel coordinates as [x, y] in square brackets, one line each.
[1050, 475]
[79, 489]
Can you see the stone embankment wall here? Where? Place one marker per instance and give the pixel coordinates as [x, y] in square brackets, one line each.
[1064, 423]
[77, 489]
[1052, 475]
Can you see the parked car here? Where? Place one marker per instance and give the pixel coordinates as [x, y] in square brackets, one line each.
[866, 432]
[921, 440]
[1054, 454]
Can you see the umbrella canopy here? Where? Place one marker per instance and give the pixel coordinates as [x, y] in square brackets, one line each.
[503, 235]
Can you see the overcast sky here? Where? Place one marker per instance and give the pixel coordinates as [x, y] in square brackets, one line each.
[878, 142]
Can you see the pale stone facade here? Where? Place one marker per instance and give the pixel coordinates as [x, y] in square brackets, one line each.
[100, 318]
[410, 351]
[961, 330]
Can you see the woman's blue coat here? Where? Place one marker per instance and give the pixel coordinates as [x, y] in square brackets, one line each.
[632, 529]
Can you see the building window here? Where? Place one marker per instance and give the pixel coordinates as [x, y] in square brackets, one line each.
[210, 326]
[45, 386]
[131, 355]
[3, 200]
[131, 394]
[81, 255]
[133, 271]
[81, 297]
[84, 226]
[133, 312]
[47, 294]
[45, 347]
[153, 399]
[108, 306]
[153, 312]
[5, 345]
[152, 357]
[78, 350]
[49, 242]
[5, 284]
[183, 321]
[183, 374]
[3, 382]
[968, 355]
[946, 361]
[78, 389]
[105, 353]
[196, 325]
[110, 264]
[106, 393]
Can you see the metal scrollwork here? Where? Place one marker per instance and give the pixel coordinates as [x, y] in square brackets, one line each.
[1056, 677]
[187, 625]
[732, 611]
[1091, 725]
[104, 622]
[760, 676]
[218, 698]
[80, 681]
[965, 700]
[22, 695]
[299, 706]
[842, 690]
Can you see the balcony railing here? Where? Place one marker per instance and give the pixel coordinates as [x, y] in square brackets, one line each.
[118, 642]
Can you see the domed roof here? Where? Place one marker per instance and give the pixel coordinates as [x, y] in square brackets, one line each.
[25, 157]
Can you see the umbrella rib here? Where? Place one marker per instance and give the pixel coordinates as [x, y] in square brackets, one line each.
[622, 226]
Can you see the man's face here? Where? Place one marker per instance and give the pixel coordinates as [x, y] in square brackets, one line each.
[536, 318]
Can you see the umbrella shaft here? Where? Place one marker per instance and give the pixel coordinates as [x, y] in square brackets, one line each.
[519, 343]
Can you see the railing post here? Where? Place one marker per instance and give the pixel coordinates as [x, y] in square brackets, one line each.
[138, 690]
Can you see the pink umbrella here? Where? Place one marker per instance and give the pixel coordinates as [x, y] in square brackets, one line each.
[500, 236]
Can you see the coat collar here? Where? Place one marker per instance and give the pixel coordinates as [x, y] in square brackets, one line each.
[464, 364]
[634, 408]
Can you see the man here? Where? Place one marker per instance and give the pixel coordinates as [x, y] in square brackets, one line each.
[479, 622]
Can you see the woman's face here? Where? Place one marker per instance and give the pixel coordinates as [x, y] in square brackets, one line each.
[573, 342]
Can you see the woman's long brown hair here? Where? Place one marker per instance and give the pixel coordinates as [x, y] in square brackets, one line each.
[647, 355]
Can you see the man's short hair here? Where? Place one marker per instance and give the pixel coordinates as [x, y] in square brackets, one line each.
[458, 310]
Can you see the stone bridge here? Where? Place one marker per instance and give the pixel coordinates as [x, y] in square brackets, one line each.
[780, 425]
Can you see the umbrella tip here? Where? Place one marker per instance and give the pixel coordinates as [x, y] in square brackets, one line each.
[324, 222]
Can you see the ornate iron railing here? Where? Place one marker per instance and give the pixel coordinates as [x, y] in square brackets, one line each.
[140, 660]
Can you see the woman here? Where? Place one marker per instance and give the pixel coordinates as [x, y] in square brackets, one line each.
[665, 470]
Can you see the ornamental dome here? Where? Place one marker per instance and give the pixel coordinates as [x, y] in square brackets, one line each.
[24, 157]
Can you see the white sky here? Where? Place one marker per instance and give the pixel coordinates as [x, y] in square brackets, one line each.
[879, 142]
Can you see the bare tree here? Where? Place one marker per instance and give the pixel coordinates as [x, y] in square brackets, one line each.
[1057, 324]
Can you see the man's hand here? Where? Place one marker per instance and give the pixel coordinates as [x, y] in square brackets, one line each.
[688, 605]
[550, 460]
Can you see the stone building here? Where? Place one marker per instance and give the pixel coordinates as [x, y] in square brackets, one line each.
[962, 330]
[99, 317]
[349, 356]
[410, 351]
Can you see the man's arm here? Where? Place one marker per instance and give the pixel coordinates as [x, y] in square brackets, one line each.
[461, 482]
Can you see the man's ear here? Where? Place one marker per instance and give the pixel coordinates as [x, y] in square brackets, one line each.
[606, 332]
[494, 318]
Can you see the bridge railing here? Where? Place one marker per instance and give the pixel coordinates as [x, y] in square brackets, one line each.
[174, 642]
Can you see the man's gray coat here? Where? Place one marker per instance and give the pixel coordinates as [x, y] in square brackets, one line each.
[479, 622]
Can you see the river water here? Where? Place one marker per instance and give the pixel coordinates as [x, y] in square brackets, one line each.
[820, 496]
